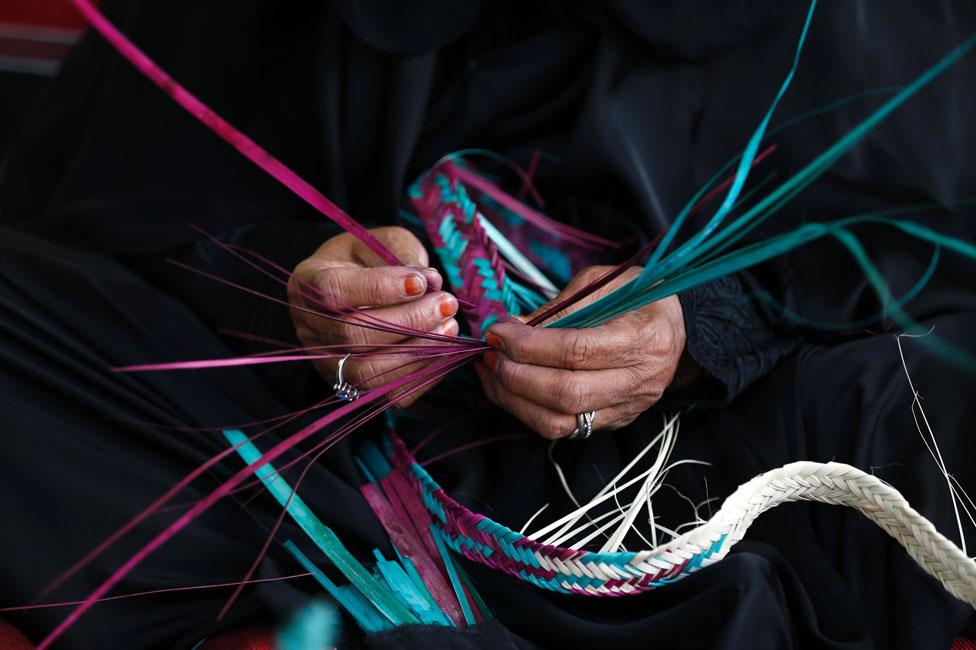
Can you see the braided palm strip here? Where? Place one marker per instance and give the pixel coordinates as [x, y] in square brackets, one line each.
[611, 574]
[470, 259]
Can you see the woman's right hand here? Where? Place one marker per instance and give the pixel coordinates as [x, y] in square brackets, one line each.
[350, 275]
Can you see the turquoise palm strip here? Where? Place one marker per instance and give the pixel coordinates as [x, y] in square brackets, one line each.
[362, 611]
[314, 626]
[323, 536]
[823, 325]
[652, 286]
[453, 575]
[741, 174]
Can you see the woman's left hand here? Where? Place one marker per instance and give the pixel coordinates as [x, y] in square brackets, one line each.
[546, 376]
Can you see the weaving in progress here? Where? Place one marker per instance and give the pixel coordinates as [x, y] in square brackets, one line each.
[472, 325]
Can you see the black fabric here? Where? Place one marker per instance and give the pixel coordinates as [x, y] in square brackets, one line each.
[634, 103]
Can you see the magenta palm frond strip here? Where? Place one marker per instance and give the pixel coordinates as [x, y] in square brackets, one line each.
[227, 132]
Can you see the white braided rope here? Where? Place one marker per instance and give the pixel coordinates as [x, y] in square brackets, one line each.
[833, 483]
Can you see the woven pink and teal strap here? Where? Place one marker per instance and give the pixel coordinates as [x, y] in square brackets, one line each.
[454, 224]
[564, 570]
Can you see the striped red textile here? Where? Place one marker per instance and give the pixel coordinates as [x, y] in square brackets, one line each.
[35, 35]
[44, 13]
[12, 639]
[253, 638]
[963, 643]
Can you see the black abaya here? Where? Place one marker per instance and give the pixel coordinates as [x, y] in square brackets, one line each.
[640, 101]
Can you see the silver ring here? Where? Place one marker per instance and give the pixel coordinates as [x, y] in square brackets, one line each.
[584, 426]
[344, 390]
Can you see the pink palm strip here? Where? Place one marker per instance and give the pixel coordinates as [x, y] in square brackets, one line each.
[207, 502]
[243, 425]
[534, 217]
[420, 351]
[379, 325]
[597, 284]
[257, 482]
[472, 445]
[397, 485]
[153, 592]
[250, 149]
[315, 294]
[318, 450]
[247, 336]
[135, 521]
[406, 539]
[527, 181]
[284, 510]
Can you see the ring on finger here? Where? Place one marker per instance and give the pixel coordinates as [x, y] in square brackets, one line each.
[344, 390]
[584, 426]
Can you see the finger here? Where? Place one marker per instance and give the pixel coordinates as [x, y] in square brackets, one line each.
[614, 344]
[425, 314]
[546, 422]
[342, 287]
[366, 372]
[391, 369]
[565, 391]
[613, 277]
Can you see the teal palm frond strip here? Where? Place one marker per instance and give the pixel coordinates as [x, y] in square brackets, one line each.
[323, 536]
[711, 257]
[741, 174]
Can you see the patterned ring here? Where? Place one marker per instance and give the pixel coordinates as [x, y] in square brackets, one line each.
[344, 390]
[584, 426]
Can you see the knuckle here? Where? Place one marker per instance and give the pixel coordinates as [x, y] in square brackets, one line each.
[577, 350]
[571, 394]
[295, 279]
[394, 233]
[650, 396]
[362, 374]
[305, 335]
[490, 392]
[326, 369]
[298, 283]
[344, 331]
[550, 430]
[404, 242]
[373, 287]
[591, 273]
[416, 316]
[658, 338]
[328, 284]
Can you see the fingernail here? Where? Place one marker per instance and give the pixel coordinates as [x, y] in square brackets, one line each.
[491, 360]
[450, 328]
[413, 285]
[434, 280]
[448, 307]
[493, 340]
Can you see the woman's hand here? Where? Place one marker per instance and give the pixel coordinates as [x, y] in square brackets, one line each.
[348, 273]
[546, 376]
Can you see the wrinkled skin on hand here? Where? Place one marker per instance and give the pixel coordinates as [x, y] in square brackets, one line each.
[347, 272]
[545, 376]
